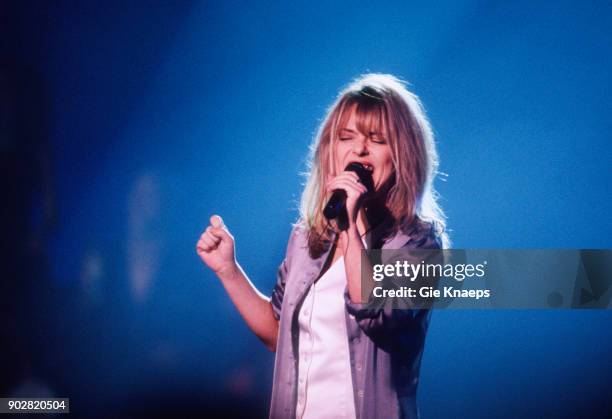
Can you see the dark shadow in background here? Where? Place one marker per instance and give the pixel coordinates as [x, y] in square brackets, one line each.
[27, 215]
[66, 340]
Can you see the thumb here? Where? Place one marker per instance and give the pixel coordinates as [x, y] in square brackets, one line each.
[216, 221]
[219, 229]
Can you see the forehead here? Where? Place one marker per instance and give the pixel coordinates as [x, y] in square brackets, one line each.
[367, 118]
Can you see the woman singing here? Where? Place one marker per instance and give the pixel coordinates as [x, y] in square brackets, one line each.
[337, 357]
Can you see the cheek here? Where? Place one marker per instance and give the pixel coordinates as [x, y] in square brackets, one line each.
[386, 172]
[385, 162]
[341, 150]
[342, 147]
[387, 169]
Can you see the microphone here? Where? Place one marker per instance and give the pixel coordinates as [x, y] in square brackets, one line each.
[336, 206]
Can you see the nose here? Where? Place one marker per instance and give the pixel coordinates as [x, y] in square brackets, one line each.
[360, 147]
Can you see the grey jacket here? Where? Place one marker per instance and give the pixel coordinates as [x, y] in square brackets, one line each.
[385, 345]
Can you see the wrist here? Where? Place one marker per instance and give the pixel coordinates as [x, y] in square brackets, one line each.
[350, 236]
[229, 272]
[353, 233]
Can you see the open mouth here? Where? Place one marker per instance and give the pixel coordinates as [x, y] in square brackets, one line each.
[367, 166]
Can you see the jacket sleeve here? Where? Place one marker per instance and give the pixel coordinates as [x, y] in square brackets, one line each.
[383, 322]
[278, 292]
[279, 289]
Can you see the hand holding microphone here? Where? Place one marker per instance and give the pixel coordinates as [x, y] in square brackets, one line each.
[349, 187]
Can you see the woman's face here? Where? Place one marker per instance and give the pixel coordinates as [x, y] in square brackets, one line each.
[368, 148]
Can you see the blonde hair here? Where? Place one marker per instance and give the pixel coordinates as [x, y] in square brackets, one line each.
[382, 104]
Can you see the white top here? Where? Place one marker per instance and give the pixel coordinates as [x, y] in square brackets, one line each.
[325, 387]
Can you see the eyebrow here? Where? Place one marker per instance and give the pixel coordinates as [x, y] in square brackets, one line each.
[349, 130]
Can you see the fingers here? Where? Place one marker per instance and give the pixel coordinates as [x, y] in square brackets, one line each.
[214, 235]
[208, 241]
[220, 233]
[347, 176]
[209, 238]
[351, 189]
[349, 182]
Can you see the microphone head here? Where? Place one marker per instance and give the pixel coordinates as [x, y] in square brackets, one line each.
[365, 176]
[336, 205]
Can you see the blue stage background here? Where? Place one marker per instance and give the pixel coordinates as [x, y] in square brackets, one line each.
[156, 115]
